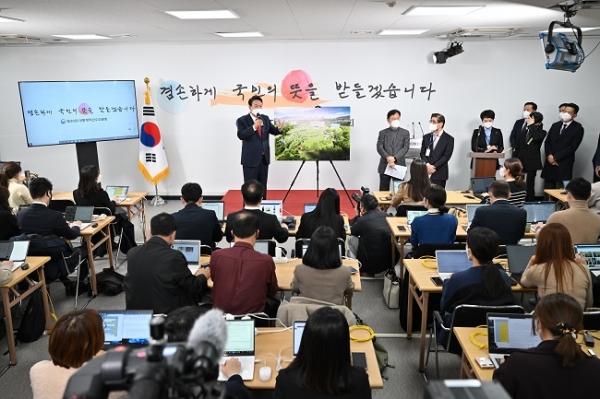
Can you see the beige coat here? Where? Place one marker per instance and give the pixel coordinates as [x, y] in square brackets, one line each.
[583, 223]
[402, 197]
[330, 285]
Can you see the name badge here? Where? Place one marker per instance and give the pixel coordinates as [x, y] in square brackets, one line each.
[427, 152]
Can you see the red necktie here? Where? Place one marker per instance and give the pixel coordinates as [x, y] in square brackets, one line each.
[259, 130]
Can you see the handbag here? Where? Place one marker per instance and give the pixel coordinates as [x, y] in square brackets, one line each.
[391, 289]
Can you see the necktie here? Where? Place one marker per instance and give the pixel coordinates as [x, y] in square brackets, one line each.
[259, 130]
[563, 128]
[527, 135]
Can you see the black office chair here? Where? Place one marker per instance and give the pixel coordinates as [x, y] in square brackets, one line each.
[429, 249]
[402, 209]
[60, 205]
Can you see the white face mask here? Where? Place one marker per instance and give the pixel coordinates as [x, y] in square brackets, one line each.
[526, 114]
[99, 179]
[395, 123]
[432, 127]
[487, 125]
[565, 116]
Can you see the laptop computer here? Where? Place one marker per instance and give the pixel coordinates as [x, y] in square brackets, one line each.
[118, 192]
[509, 332]
[298, 330]
[218, 207]
[480, 185]
[396, 185]
[411, 215]
[591, 253]
[539, 211]
[191, 250]
[309, 207]
[126, 327]
[81, 213]
[240, 344]
[451, 261]
[518, 258]
[274, 207]
[471, 208]
[564, 189]
[15, 251]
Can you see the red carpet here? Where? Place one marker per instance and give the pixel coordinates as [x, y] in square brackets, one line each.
[294, 203]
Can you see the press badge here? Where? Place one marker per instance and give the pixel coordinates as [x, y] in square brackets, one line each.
[427, 152]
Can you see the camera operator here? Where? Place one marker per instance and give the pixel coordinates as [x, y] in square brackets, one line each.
[369, 240]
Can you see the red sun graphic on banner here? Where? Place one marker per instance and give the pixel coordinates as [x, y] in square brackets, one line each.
[296, 86]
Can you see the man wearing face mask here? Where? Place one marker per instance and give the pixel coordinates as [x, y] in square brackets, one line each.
[487, 138]
[254, 130]
[561, 144]
[528, 150]
[392, 145]
[520, 124]
[436, 150]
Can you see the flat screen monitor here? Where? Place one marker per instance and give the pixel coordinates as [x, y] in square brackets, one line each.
[79, 112]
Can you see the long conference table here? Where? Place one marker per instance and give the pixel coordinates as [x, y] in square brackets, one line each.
[454, 198]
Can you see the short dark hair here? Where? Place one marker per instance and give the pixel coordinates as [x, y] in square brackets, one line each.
[488, 113]
[76, 338]
[579, 188]
[537, 117]
[191, 192]
[180, 321]
[244, 224]
[253, 192]
[39, 187]
[499, 189]
[574, 106]
[563, 105]
[369, 202]
[392, 113]
[251, 100]
[323, 250]
[533, 105]
[436, 196]
[440, 118]
[163, 224]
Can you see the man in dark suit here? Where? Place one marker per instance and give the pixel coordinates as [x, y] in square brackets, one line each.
[596, 162]
[528, 150]
[520, 124]
[194, 222]
[562, 142]
[254, 129]
[436, 150]
[268, 225]
[393, 143]
[487, 138]
[505, 219]
[158, 277]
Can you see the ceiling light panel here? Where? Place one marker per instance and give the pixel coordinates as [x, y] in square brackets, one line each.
[215, 14]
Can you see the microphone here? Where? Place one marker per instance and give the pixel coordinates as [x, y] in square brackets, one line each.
[422, 132]
[207, 340]
[413, 130]
[478, 135]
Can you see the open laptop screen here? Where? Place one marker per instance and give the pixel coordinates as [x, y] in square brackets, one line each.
[309, 207]
[217, 206]
[411, 215]
[480, 185]
[240, 337]
[518, 257]
[591, 253]
[396, 185]
[117, 191]
[126, 327]
[471, 208]
[507, 332]
[190, 249]
[298, 330]
[452, 261]
[81, 213]
[274, 207]
[539, 211]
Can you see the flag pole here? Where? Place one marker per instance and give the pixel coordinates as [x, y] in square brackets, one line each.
[157, 200]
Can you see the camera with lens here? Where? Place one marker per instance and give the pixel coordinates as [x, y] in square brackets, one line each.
[364, 190]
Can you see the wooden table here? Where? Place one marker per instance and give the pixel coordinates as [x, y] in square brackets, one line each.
[420, 287]
[135, 205]
[454, 198]
[103, 229]
[36, 264]
[469, 367]
[269, 341]
[558, 195]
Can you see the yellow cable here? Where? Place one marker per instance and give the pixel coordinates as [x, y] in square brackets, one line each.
[475, 334]
[429, 263]
[362, 327]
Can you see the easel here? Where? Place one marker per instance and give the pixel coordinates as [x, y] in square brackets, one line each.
[334, 169]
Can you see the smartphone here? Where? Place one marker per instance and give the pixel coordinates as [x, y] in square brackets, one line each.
[437, 281]
[359, 359]
[401, 228]
[484, 362]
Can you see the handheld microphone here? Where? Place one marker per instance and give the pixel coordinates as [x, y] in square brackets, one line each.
[422, 132]
[207, 340]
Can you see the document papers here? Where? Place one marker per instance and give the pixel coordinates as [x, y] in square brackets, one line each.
[397, 172]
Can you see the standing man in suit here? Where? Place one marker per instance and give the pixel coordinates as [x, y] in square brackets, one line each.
[520, 124]
[157, 276]
[437, 149]
[268, 225]
[254, 129]
[528, 150]
[505, 219]
[195, 222]
[392, 145]
[596, 162]
[561, 144]
[487, 138]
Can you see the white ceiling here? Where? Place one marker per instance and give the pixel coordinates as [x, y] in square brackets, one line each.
[146, 21]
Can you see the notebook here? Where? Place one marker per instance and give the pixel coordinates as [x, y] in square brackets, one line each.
[218, 207]
[451, 261]
[240, 344]
[126, 327]
[119, 192]
[191, 250]
[15, 251]
[539, 211]
[591, 253]
[81, 213]
[298, 330]
[509, 332]
[480, 185]
[518, 258]
[309, 207]
[471, 208]
[273, 207]
[411, 215]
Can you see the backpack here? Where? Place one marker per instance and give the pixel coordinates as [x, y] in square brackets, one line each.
[33, 322]
[109, 282]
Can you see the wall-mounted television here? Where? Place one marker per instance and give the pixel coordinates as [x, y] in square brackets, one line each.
[79, 111]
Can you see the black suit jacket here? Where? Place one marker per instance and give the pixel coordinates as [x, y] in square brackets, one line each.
[563, 148]
[99, 198]
[308, 226]
[252, 144]
[158, 278]
[196, 223]
[596, 159]
[374, 251]
[8, 225]
[505, 219]
[268, 226]
[479, 144]
[38, 219]
[514, 133]
[528, 147]
[439, 156]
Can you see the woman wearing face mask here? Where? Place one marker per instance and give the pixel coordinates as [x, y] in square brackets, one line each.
[528, 150]
[513, 174]
[487, 138]
[12, 178]
[392, 145]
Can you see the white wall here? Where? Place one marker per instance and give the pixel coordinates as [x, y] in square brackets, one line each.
[201, 141]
